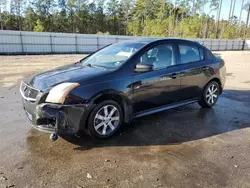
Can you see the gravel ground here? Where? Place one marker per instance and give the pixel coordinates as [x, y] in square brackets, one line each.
[184, 147]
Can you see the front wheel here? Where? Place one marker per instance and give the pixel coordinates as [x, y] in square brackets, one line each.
[105, 119]
[210, 95]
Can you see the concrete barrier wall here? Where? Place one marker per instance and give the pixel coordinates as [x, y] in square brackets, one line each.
[22, 42]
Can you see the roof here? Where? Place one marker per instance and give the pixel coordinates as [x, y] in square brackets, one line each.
[149, 40]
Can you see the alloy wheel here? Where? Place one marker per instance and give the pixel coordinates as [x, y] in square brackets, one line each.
[212, 94]
[106, 120]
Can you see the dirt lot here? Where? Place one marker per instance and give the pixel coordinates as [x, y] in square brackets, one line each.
[185, 147]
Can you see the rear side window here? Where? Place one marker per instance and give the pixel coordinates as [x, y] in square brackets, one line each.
[189, 53]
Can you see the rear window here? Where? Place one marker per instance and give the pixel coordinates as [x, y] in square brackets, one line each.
[190, 53]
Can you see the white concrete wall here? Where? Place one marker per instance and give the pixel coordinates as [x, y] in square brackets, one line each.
[16, 42]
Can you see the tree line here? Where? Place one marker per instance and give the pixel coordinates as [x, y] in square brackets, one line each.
[179, 18]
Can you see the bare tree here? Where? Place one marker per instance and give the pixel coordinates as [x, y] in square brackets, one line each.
[241, 8]
[232, 15]
[2, 6]
[172, 7]
[248, 14]
[17, 9]
[1, 21]
[184, 9]
[218, 19]
[229, 16]
[242, 4]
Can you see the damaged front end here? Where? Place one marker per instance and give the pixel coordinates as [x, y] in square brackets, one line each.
[60, 119]
[64, 118]
[52, 114]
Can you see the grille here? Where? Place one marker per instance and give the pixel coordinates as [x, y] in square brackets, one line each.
[29, 93]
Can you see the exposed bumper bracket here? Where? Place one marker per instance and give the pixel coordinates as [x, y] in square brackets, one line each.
[65, 119]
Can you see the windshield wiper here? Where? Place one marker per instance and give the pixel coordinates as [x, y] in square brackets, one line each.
[88, 65]
[95, 66]
[100, 67]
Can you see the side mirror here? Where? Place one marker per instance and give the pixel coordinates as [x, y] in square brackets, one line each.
[143, 68]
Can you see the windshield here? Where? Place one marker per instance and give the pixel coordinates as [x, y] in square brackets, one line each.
[112, 56]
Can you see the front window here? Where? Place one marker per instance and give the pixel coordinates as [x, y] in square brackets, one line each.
[160, 56]
[112, 56]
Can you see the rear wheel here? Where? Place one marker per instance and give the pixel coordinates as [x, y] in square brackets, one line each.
[105, 119]
[210, 95]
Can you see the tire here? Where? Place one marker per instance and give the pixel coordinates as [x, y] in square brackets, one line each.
[106, 115]
[210, 95]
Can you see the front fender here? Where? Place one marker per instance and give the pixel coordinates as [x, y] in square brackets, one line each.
[91, 92]
[113, 94]
[120, 87]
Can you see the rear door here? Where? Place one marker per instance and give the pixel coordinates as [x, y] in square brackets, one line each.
[194, 72]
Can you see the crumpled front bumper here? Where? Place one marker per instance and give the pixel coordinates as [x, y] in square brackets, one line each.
[61, 119]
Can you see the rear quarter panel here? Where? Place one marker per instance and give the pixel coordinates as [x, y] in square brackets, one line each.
[222, 71]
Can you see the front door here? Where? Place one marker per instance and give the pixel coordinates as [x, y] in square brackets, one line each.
[159, 86]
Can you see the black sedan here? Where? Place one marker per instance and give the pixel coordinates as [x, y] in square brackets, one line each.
[121, 82]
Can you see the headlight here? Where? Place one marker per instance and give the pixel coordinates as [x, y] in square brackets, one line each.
[58, 93]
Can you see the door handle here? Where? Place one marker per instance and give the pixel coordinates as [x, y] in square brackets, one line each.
[205, 68]
[174, 76]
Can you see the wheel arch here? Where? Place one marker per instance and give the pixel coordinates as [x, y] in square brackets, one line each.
[116, 96]
[203, 99]
[216, 79]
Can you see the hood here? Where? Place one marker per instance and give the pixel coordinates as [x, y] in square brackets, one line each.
[71, 73]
